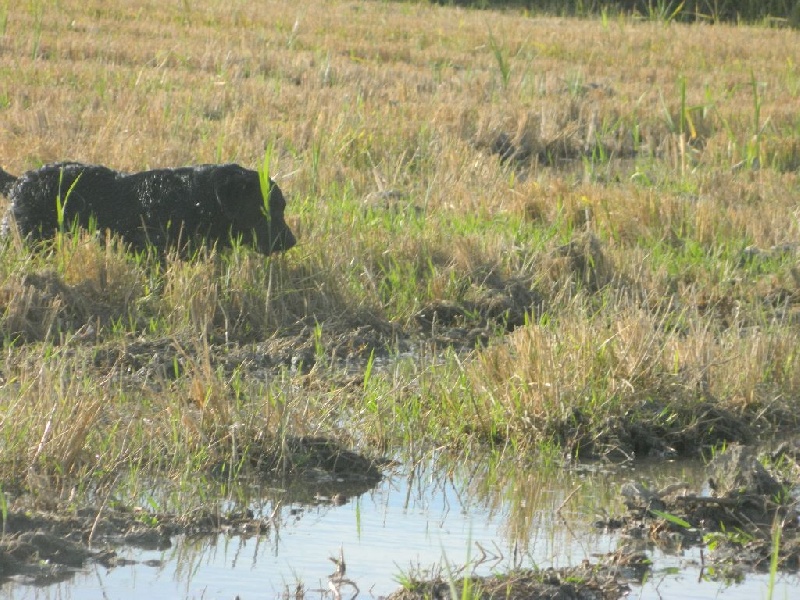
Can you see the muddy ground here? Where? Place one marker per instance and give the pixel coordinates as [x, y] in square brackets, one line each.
[742, 495]
[47, 546]
[744, 518]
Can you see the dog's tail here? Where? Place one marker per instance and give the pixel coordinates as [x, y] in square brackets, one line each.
[7, 180]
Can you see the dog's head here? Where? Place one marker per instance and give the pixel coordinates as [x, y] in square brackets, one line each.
[257, 222]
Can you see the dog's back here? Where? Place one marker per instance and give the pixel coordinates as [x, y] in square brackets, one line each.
[185, 206]
[61, 194]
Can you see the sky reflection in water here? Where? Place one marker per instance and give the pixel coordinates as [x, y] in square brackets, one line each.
[405, 525]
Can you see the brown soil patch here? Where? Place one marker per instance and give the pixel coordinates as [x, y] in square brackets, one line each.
[749, 500]
[606, 579]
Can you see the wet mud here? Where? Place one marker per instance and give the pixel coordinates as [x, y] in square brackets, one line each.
[607, 578]
[43, 547]
[744, 518]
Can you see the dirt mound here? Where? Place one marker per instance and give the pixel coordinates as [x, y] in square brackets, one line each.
[496, 304]
[605, 580]
[746, 515]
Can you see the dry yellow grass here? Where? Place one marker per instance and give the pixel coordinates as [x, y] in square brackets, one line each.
[392, 95]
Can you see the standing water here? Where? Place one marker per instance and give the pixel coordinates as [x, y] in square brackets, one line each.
[418, 523]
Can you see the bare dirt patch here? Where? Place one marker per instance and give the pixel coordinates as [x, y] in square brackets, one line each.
[605, 579]
[745, 516]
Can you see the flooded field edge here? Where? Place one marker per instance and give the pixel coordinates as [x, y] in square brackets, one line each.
[742, 517]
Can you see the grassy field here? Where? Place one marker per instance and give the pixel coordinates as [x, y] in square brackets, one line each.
[534, 236]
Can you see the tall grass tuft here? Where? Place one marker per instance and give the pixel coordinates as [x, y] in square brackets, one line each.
[777, 527]
[501, 59]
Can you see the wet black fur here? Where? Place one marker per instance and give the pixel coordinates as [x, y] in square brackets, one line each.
[166, 208]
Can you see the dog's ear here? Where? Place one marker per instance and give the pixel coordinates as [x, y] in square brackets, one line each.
[233, 189]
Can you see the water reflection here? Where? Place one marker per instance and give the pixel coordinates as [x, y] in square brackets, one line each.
[470, 514]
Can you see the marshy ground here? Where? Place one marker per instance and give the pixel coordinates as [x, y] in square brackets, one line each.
[535, 239]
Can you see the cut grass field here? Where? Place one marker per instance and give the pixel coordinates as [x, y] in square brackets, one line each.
[583, 233]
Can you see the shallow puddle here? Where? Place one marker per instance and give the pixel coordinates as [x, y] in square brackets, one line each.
[419, 524]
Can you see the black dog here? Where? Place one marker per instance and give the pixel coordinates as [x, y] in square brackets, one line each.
[167, 208]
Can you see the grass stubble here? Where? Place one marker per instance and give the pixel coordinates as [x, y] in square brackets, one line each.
[610, 204]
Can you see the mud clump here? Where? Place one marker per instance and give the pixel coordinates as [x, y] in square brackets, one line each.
[605, 580]
[322, 453]
[41, 558]
[746, 514]
[497, 304]
[584, 257]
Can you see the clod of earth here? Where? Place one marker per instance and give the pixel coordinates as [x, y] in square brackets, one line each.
[735, 519]
[606, 580]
